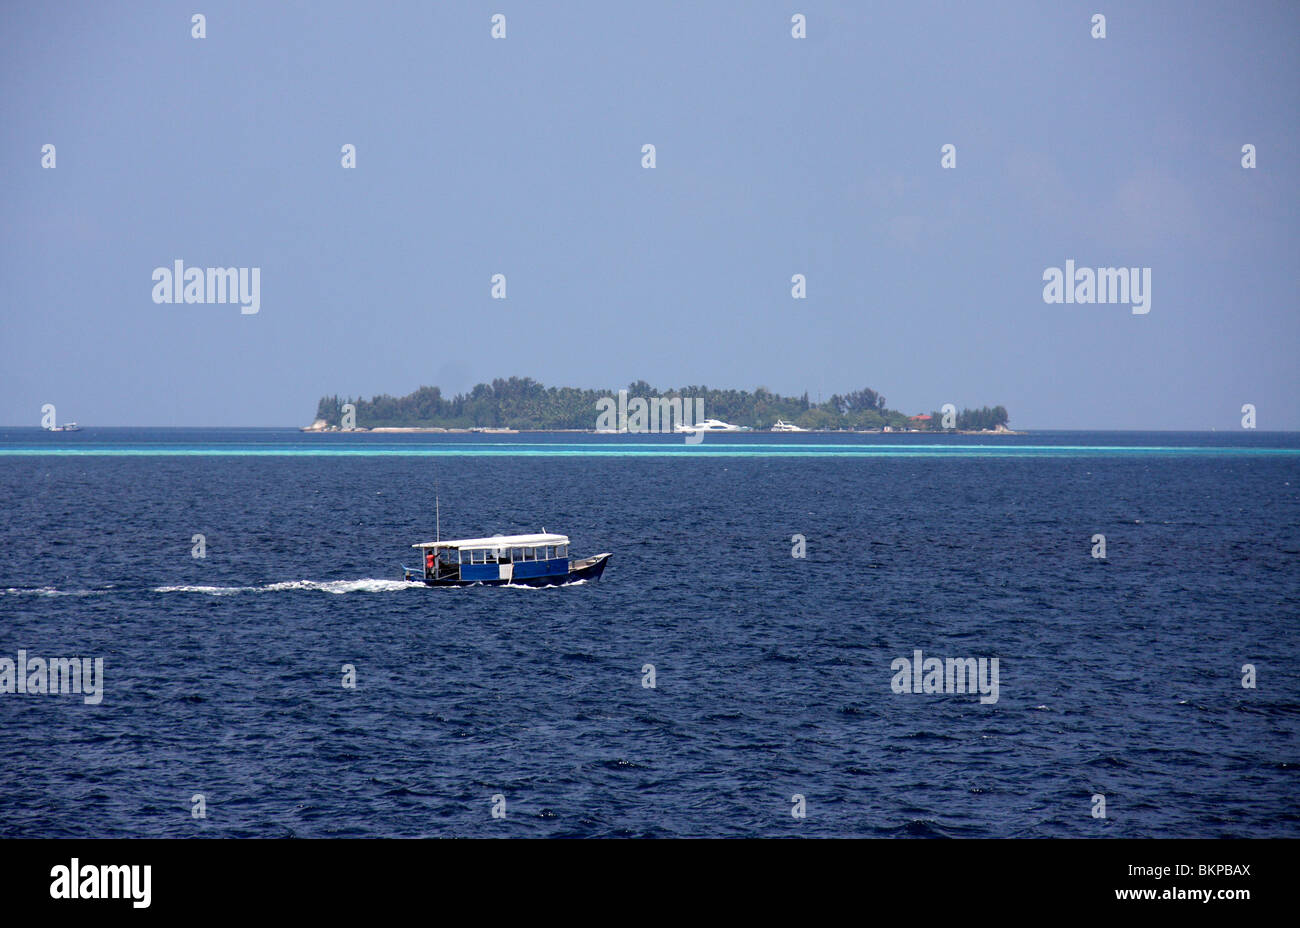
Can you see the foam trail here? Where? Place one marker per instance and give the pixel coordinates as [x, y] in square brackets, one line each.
[366, 585]
[338, 587]
[524, 586]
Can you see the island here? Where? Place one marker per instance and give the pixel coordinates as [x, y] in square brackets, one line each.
[523, 404]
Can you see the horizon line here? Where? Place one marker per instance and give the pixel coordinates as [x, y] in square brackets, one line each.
[1025, 428]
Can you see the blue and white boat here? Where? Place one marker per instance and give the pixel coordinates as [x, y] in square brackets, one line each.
[522, 560]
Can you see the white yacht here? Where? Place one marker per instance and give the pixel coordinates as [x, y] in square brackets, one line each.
[783, 426]
[710, 425]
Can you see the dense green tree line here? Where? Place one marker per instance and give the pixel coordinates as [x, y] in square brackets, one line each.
[523, 403]
[983, 418]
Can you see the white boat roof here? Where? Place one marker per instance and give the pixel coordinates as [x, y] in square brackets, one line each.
[498, 541]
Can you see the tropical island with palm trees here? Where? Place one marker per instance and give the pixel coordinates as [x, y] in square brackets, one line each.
[523, 404]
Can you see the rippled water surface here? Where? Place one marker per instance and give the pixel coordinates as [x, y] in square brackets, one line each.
[1120, 677]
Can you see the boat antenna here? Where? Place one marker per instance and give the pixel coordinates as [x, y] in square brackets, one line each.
[437, 510]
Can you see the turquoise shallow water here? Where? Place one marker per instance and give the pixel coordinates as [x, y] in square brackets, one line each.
[292, 443]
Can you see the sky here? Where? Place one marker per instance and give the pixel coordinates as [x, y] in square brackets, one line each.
[774, 156]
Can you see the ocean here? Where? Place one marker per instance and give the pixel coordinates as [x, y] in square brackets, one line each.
[773, 711]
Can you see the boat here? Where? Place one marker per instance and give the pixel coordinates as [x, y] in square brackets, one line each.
[783, 426]
[69, 427]
[519, 560]
[710, 425]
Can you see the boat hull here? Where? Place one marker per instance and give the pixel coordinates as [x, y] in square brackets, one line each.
[587, 568]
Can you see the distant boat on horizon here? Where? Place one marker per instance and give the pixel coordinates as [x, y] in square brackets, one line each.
[69, 427]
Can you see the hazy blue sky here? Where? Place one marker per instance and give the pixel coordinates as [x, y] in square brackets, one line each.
[775, 156]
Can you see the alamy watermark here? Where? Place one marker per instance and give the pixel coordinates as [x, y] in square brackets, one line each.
[103, 881]
[653, 415]
[1130, 285]
[179, 284]
[955, 675]
[58, 676]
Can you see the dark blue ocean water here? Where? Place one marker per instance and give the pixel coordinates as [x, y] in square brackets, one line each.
[1120, 677]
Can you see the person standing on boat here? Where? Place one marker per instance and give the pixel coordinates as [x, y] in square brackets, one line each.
[428, 562]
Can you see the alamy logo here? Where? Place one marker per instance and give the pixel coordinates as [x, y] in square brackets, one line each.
[179, 284]
[59, 676]
[1103, 285]
[955, 675]
[653, 415]
[105, 881]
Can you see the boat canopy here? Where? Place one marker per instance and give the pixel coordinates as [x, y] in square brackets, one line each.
[498, 541]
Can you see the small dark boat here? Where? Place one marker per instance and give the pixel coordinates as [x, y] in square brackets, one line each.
[520, 560]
